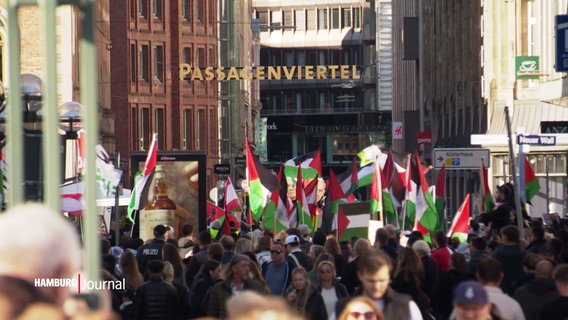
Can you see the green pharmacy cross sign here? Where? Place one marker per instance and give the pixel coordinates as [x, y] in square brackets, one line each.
[527, 67]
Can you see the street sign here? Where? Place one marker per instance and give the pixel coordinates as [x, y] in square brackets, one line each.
[222, 169]
[460, 158]
[561, 43]
[241, 161]
[536, 140]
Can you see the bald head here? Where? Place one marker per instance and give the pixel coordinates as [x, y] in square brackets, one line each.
[544, 269]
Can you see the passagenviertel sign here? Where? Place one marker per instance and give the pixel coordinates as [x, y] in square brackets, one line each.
[188, 72]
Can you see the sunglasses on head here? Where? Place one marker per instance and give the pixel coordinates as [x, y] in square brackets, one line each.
[276, 251]
[367, 315]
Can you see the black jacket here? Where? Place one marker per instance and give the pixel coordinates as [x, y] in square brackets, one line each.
[156, 299]
[148, 252]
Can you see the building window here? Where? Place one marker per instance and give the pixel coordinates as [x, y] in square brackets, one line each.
[322, 19]
[311, 19]
[133, 69]
[133, 10]
[288, 18]
[159, 63]
[144, 54]
[276, 18]
[135, 134]
[186, 10]
[211, 10]
[346, 18]
[200, 58]
[201, 143]
[157, 9]
[262, 16]
[300, 20]
[159, 125]
[199, 10]
[335, 18]
[356, 17]
[143, 9]
[145, 129]
[188, 129]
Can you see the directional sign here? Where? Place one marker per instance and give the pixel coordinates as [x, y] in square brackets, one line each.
[460, 158]
[536, 140]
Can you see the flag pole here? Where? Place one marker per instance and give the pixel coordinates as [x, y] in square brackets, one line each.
[515, 177]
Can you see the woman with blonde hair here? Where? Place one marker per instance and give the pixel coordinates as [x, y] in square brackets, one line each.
[329, 288]
[243, 245]
[361, 308]
[303, 297]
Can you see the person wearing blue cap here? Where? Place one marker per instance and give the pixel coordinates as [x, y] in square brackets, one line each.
[471, 302]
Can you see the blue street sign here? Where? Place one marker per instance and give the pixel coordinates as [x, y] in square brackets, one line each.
[536, 140]
[561, 28]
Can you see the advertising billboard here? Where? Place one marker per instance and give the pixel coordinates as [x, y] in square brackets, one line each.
[176, 194]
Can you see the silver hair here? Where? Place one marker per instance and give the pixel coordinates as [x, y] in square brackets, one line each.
[38, 243]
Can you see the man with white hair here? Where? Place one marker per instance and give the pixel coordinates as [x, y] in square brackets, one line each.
[48, 249]
[430, 267]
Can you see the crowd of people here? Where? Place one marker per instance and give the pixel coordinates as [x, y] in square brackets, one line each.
[296, 274]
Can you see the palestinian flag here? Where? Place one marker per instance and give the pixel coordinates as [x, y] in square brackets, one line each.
[394, 177]
[460, 224]
[302, 207]
[365, 175]
[261, 183]
[531, 182]
[231, 198]
[488, 202]
[276, 213]
[214, 212]
[142, 180]
[311, 192]
[409, 204]
[310, 163]
[440, 198]
[371, 154]
[352, 223]
[335, 197]
[381, 199]
[426, 212]
[349, 180]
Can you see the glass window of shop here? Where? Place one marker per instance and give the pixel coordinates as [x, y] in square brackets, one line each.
[550, 169]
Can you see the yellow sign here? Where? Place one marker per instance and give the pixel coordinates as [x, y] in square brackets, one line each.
[187, 72]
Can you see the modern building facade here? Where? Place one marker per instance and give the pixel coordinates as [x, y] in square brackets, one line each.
[520, 72]
[457, 65]
[326, 94]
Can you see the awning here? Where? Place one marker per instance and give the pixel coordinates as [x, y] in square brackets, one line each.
[334, 38]
[72, 194]
[525, 114]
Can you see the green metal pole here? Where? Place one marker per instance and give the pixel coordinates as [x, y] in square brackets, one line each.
[88, 79]
[14, 123]
[50, 113]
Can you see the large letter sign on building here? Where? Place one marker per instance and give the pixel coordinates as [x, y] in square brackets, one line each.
[562, 43]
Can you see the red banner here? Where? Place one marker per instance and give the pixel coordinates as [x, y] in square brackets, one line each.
[424, 137]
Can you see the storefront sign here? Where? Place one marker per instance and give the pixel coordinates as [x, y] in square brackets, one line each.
[424, 137]
[188, 72]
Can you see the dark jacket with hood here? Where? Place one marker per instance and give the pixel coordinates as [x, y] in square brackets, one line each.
[534, 294]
